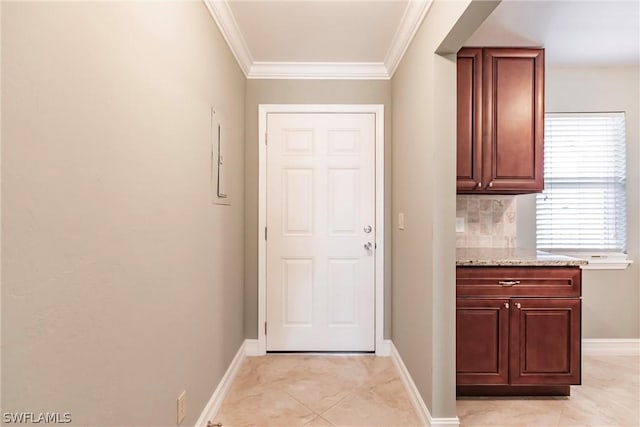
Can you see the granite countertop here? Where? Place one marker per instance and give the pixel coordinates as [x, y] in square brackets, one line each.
[497, 257]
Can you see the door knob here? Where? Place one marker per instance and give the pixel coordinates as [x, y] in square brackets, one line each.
[367, 229]
[368, 246]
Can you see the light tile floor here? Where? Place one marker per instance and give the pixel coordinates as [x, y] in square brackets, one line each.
[297, 390]
[609, 396]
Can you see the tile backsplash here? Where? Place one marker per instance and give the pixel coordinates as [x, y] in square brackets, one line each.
[489, 222]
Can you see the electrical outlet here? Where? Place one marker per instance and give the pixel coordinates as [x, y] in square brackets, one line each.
[182, 406]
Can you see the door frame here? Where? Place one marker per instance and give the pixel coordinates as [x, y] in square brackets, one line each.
[378, 111]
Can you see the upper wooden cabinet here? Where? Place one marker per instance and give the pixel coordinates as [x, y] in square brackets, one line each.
[500, 120]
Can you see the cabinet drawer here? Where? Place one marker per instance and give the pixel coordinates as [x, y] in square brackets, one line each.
[518, 281]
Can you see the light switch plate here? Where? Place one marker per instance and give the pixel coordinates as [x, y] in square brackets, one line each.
[460, 224]
[401, 221]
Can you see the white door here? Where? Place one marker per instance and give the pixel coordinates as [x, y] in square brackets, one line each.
[320, 219]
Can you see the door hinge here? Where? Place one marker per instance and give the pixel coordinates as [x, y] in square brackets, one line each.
[265, 328]
[265, 233]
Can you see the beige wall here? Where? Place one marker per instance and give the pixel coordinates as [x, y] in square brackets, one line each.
[611, 299]
[304, 92]
[121, 282]
[0, 206]
[423, 186]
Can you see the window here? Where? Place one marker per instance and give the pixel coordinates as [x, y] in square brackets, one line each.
[583, 206]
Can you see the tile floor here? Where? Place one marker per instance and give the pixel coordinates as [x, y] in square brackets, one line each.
[303, 390]
[609, 396]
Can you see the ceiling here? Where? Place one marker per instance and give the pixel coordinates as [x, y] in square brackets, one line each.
[315, 31]
[366, 39]
[573, 33]
[358, 39]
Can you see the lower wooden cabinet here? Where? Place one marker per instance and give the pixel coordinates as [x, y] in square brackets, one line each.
[545, 341]
[482, 341]
[518, 343]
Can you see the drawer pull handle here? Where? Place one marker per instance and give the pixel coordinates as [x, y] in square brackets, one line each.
[509, 283]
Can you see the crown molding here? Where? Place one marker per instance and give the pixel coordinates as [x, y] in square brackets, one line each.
[411, 19]
[319, 70]
[222, 14]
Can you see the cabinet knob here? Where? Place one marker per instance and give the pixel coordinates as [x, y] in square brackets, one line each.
[506, 305]
[518, 305]
[479, 184]
[491, 184]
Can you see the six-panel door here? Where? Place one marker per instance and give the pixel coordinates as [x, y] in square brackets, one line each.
[320, 217]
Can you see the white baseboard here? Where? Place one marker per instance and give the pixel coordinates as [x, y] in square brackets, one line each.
[444, 422]
[611, 347]
[252, 348]
[211, 409]
[384, 349]
[424, 416]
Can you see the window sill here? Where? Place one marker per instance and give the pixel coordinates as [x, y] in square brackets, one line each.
[602, 260]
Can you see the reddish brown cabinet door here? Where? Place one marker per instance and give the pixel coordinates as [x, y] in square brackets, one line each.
[482, 340]
[469, 123]
[513, 122]
[545, 341]
[500, 120]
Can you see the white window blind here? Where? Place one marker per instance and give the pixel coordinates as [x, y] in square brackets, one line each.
[583, 206]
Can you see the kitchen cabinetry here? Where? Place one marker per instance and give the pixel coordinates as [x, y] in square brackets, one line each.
[500, 126]
[518, 330]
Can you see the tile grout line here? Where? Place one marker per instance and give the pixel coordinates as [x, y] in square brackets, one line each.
[297, 400]
[326, 410]
[336, 404]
